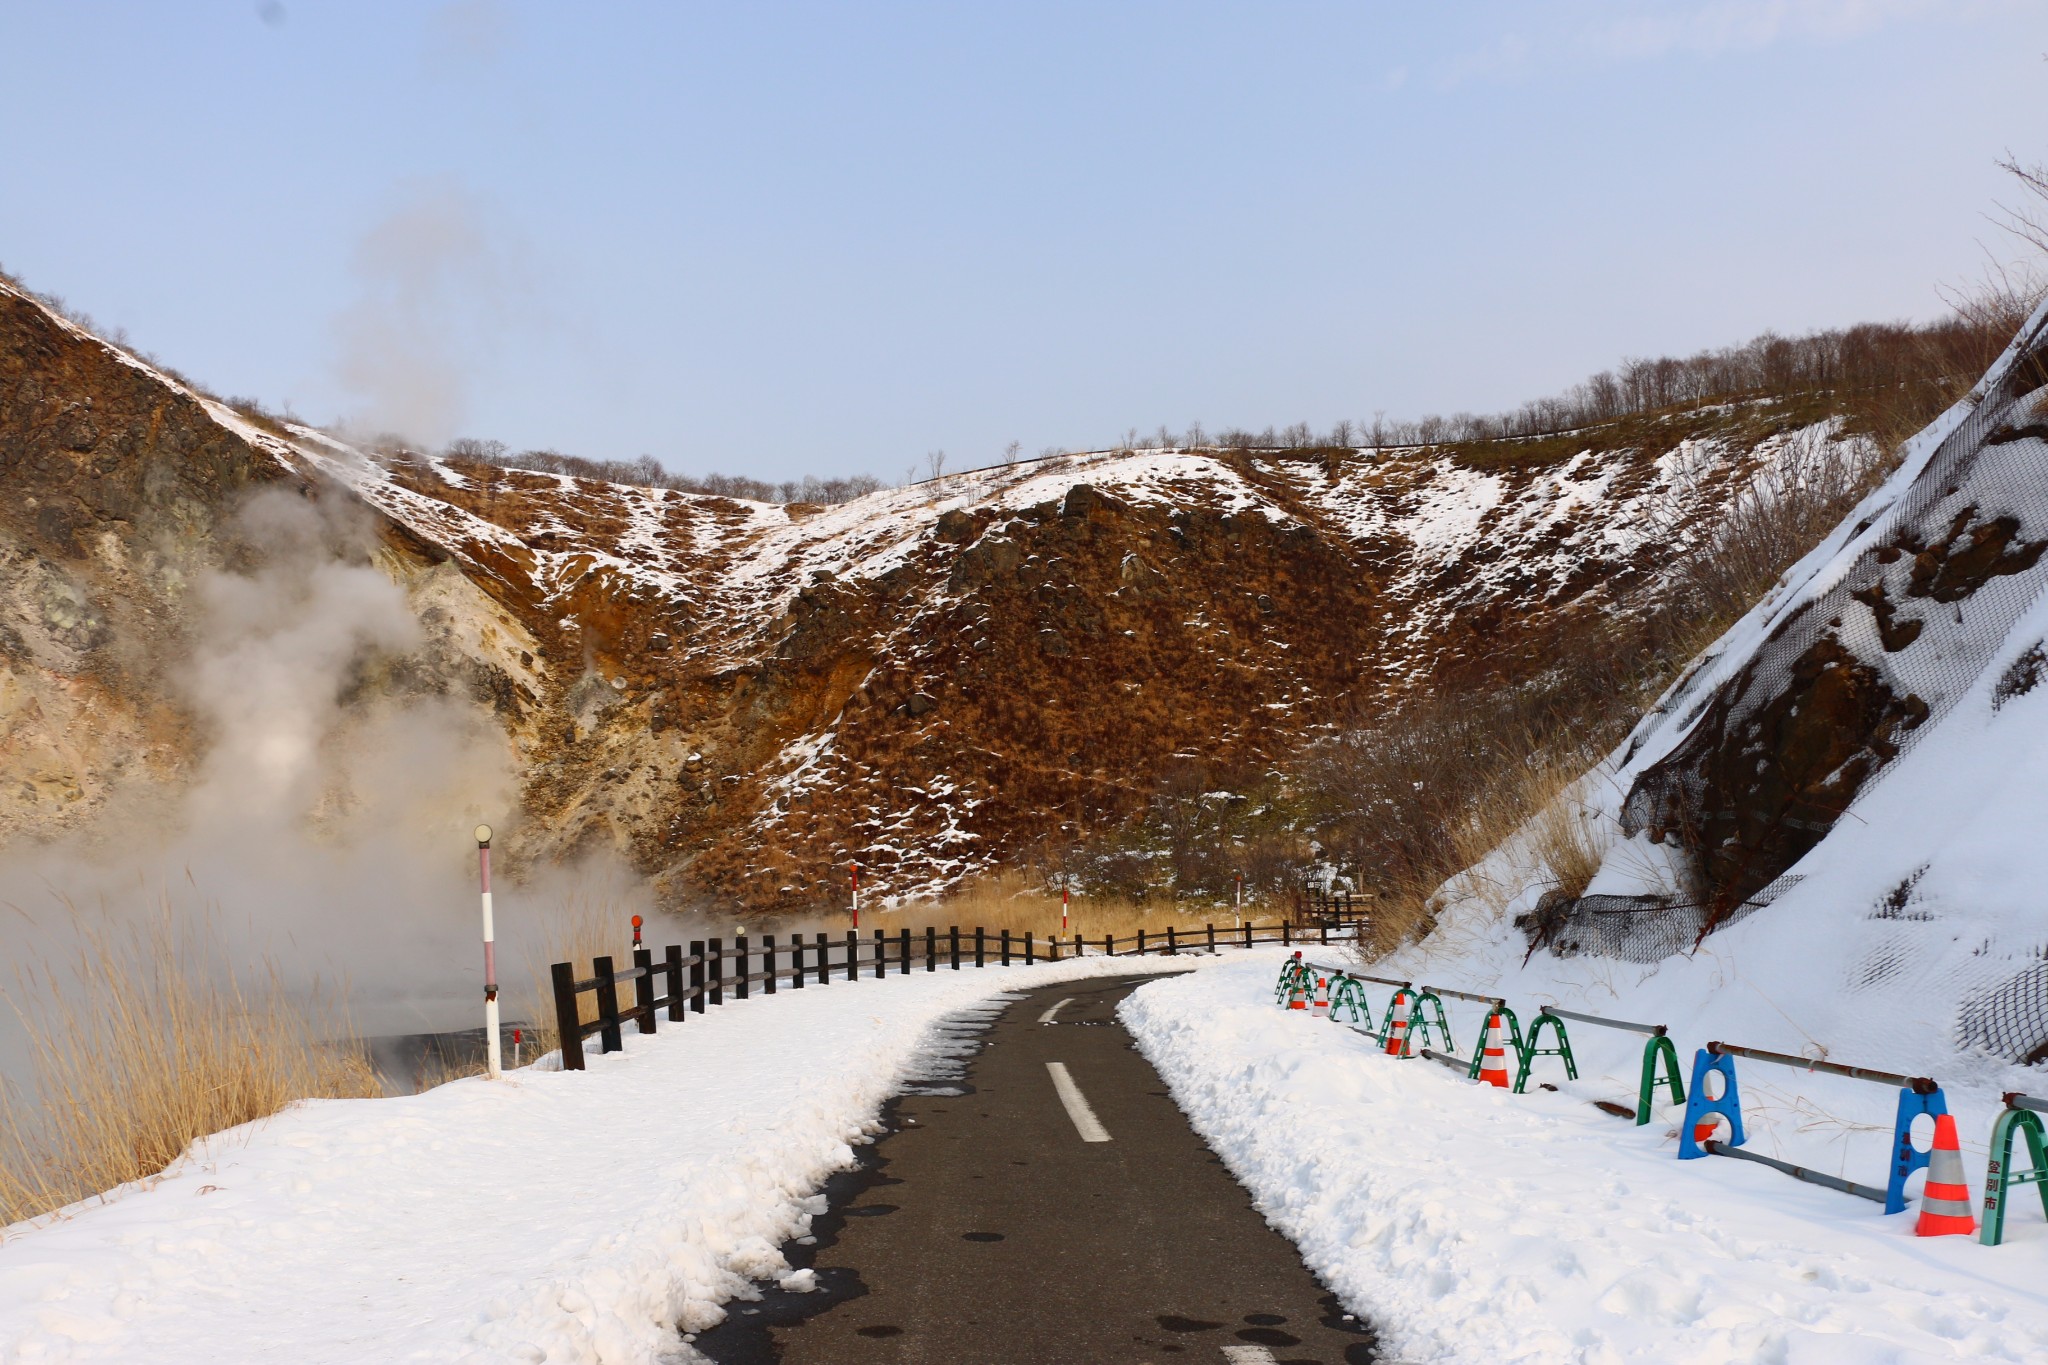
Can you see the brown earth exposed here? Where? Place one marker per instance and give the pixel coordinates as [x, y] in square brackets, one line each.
[741, 698]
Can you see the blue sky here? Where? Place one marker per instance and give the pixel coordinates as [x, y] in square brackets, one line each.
[784, 238]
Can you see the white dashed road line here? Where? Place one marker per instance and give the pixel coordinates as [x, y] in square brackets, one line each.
[1046, 1018]
[1085, 1122]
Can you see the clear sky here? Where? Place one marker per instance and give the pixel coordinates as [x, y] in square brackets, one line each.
[781, 239]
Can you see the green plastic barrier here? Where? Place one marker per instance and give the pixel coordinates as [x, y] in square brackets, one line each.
[1530, 1052]
[1418, 1026]
[1387, 1024]
[1293, 978]
[1350, 994]
[1999, 1177]
[1658, 1048]
[1485, 1026]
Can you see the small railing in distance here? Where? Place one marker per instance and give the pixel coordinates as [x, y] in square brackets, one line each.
[715, 968]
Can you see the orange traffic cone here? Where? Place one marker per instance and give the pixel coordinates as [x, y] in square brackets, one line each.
[1945, 1203]
[1493, 1065]
[1322, 1007]
[1397, 1031]
[1701, 1132]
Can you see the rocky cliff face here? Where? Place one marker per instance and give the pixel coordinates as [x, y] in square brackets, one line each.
[740, 697]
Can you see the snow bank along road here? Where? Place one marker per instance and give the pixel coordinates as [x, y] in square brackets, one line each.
[1052, 1206]
[1518, 1229]
[576, 1218]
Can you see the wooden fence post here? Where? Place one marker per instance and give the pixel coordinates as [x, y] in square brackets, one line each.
[643, 990]
[768, 963]
[1109, 945]
[824, 961]
[1030, 953]
[980, 946]
[568, 1023]
[1324, 929]
[607, 1007]
[903, 955]
[1247, 933]
[1172, 943]
[931, 947]
[954, 934]
[696, 976]
[1006, 947]
[717, 971]
[1212, 938]
[853, 955]
[739, 971]
[881, 953]
[1286, 934]
[1052, 944]
[672, 965]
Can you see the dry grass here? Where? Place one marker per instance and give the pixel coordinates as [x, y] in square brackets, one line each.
[1012, 901]
[146, 1042]
[1568, 841]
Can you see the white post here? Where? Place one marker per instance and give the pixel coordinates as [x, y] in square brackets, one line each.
[494, 1064]
[1237, 905]
[856, 895]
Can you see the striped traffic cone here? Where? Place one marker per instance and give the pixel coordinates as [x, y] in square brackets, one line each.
[1493, 1065]
[1397, 1030]
[1322, 1005]
[1945, 1203]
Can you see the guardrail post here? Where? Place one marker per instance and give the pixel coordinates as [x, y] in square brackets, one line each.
[739, 975]
[672, 964]
[1698, 1107]
[568, 1020]
[607, 1007]
[717, 964]
[1006, 947]
[931, 947]
[1530, 1052]
[980, 946]
[824, 961]
[696, 976]
[643, 990]
[953, 934]
[1999, 1177]
[1658, 1048]
[767, 964]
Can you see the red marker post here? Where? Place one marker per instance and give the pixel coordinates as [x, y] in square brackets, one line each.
[493, 1055]
[1063, 908]
[636, 933]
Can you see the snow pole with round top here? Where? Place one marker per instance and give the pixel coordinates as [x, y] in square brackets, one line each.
[493, 1059]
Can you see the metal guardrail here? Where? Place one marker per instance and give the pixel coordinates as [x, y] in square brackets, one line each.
[1919, 1085]
[1654, 1030]
[2015, 1100]
[1811, 1177]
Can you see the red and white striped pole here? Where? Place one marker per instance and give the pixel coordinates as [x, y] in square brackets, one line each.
[1063, 907]
[1237, 905]
[856, 894]
[494, 1063]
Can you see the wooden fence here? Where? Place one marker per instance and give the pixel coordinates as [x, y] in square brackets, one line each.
[701, 978]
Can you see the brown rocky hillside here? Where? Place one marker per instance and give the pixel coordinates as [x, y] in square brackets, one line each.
[741, 697]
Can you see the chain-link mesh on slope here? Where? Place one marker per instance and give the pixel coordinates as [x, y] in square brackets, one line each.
[1912, 622]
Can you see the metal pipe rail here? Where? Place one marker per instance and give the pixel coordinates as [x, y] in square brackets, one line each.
[1811, 1177]
[2015, 1100]
[1457, 1064]
[1361, 976]
[1653, 1030]
[1495, 1000]
[1919, 1085]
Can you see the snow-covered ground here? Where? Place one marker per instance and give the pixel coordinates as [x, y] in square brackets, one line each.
[1476, 1225]
[552, 1216]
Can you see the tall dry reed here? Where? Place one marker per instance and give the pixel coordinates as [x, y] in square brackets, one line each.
[148, 1039]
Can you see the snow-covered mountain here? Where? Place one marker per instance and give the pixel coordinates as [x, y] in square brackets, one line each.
[741, 697]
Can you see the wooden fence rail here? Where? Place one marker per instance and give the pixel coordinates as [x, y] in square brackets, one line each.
[699, 979]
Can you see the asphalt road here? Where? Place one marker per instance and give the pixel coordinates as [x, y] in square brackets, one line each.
[1061, 1211]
